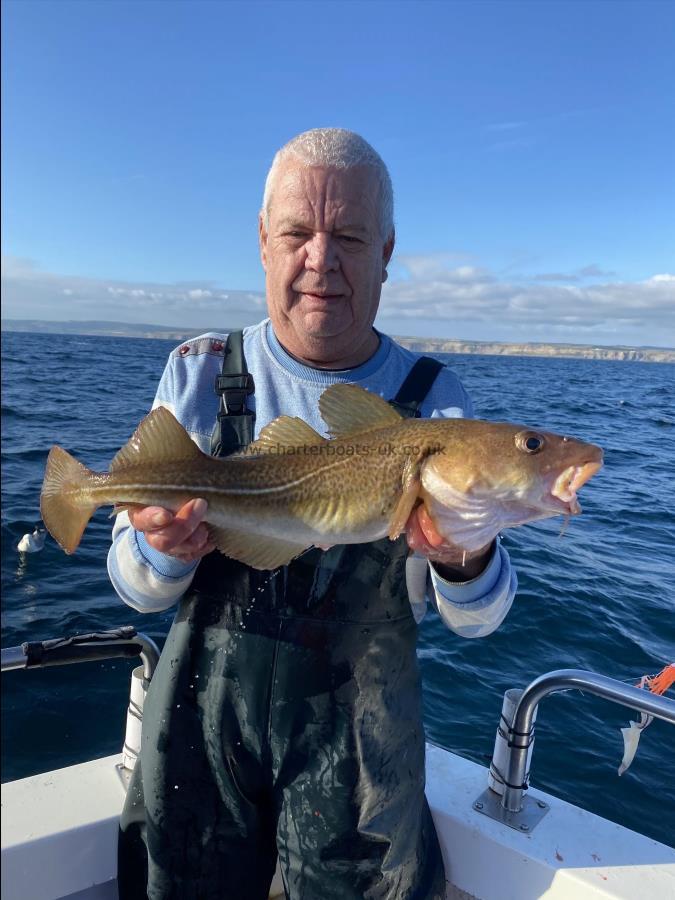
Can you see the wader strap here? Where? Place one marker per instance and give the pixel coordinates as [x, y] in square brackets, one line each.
[234, 426]
[416, 386]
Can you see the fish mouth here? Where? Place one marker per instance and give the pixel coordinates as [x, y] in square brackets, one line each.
[566, 485]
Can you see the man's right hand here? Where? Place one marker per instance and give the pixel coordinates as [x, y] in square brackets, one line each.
[182, 534]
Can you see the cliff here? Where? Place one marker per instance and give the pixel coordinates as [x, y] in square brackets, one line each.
[575, 351]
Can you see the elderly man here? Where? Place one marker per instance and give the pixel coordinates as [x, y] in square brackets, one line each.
[285, 714]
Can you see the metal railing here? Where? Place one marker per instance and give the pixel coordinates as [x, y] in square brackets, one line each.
[521, 731]
[123, 642]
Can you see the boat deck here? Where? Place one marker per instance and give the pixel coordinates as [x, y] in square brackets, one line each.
[59, 834]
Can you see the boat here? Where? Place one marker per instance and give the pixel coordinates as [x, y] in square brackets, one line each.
[501, 839]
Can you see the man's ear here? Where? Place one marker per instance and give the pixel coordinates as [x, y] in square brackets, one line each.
[262, 240]
[387, 251]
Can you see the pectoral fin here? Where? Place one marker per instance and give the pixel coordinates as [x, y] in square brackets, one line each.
[406, 503]
[255, 550]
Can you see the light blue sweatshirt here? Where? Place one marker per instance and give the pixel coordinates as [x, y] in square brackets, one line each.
[150, 581]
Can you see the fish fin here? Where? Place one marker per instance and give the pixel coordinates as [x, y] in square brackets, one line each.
[286, 431]
[407, 500]
[159, 438]
[64, 503]
[124, 507]
[346, 409]
[258, 551]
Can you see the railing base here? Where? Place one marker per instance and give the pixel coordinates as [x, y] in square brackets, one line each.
[124, 775]
[532, 812]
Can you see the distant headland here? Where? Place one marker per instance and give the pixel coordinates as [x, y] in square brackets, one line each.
[428, 345]
[572, 351]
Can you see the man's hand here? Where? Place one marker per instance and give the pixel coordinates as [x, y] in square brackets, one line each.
[449, 561]
[182, 534]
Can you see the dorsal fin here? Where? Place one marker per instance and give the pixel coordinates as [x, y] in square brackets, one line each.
[286, 431]
[346, 409]
[158, 438]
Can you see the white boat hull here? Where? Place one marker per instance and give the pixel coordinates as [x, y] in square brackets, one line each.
[59, 840]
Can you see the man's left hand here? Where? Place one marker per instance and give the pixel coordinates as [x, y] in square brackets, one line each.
[450, 561]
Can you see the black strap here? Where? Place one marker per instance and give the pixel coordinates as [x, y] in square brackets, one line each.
[416, 386]
[234, 425]
[81, 648]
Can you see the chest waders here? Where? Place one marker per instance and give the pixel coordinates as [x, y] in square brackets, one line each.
[285, 717]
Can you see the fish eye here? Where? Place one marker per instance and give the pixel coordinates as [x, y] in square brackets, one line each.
[529, 441]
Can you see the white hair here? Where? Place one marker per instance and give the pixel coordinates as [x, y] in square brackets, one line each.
[335, 148]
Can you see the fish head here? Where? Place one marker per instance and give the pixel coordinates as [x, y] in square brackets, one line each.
[497, 475]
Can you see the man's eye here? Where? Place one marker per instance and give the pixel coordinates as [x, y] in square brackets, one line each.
[349, 239]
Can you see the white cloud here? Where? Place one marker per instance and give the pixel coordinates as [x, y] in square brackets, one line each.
[525, 308]
[30, 293]
[446, 295]
[591, 271]
[663, 278]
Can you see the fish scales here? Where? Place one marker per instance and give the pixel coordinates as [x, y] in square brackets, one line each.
[292, 489]
[359, 473]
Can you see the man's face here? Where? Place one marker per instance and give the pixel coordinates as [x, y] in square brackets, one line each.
[324, 258]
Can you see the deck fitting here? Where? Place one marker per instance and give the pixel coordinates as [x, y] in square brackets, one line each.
[525, 820]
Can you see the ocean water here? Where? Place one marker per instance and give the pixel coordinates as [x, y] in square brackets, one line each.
[601, 596]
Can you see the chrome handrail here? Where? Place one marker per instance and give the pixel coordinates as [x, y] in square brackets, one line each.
[149, 654]
[521, 730]
[122, 642]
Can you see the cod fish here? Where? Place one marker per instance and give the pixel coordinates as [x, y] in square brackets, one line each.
[293, 489]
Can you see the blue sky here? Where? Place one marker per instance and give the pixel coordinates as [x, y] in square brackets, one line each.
[531, 146]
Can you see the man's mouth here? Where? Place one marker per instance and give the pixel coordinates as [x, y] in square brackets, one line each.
[320, 300]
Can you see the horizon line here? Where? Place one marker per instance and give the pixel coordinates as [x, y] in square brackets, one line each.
[179, 329]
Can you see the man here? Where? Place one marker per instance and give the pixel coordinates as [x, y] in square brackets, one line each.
[285, 714]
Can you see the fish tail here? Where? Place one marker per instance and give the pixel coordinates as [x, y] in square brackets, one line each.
[65, 503]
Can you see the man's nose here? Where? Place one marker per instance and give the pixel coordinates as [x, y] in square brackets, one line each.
[322, 255]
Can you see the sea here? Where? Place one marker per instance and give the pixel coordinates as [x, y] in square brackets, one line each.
[597, 595]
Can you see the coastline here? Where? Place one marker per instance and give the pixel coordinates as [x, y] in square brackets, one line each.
[569, 351]
[425, 345]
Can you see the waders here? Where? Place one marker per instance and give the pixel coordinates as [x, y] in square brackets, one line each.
[285, 718]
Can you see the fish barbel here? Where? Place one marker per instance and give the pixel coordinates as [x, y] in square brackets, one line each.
[292, 488]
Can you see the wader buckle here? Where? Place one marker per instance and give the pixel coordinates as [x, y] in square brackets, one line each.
[234, 389]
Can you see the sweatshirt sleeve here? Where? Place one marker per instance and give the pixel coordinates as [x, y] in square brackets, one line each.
[478, 607]
[147, 581]
[144, 578]
[471, 609]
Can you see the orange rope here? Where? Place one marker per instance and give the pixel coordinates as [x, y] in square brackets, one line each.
[659, 684]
